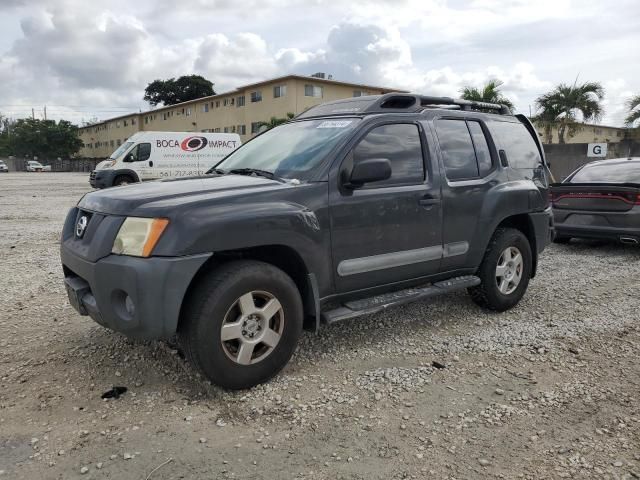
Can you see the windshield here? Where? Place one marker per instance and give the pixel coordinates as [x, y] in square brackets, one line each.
[290, 150]
[624, 171]
[121, 149]
[34, 163]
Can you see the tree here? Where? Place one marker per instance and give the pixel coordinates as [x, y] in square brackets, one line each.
[172, 91]
[633, 104]
[562, 105]
[275, 121]
[490, 93]
[44, 138]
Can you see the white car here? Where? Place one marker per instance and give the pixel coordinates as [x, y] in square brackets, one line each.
[3, 167]
[33, 166]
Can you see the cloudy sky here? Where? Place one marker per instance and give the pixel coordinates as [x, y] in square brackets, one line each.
[83, 59]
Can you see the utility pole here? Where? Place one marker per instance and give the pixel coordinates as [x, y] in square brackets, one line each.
[33, 114]
[45, 112]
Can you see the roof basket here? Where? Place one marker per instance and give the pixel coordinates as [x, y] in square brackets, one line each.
[397, 103]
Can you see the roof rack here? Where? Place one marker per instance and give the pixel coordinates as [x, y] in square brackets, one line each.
[398, 103]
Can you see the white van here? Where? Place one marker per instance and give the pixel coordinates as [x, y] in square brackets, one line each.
[153, 155]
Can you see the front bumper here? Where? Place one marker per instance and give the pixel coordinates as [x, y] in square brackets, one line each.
[101, 178]
[139, 297]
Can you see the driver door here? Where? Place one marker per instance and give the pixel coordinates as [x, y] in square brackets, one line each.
[141, 163]
[390, 230]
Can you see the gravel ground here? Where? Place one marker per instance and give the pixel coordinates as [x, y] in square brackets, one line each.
[550, 389]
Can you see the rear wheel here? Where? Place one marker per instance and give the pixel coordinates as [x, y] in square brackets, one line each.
[505, 271]
[241, 324]
[122, 180]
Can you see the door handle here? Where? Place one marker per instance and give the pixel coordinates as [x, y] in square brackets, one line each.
[428, 200]
[503, 158]
[151, 163]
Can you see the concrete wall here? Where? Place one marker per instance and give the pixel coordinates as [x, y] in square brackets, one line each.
[564, 159]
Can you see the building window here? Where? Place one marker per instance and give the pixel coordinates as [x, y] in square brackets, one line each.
[359, 93]
[240, 102]
[125, 123]
[255, 127]
[279, 91]
[233, 129]
[217, 103]
[226, 129]
[597, 131]
[242, 129]
[118, 142]
[312, 91]
[216, 130]
[188, 112]
[205, 108]
[164, 115]
[118, 124]
[256, 96]
[146, 120]
[111, 143]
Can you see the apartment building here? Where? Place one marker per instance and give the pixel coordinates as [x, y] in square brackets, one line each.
[239, 111]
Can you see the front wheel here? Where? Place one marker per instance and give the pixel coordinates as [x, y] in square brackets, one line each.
[505, 271]
[241, 324]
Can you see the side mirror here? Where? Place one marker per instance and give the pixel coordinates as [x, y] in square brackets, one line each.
[367, 171]
[129, 158]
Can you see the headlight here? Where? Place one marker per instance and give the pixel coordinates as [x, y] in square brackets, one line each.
[109, 164]
[138, 236]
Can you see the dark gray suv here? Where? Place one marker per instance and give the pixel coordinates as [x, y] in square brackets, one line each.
[353, 207]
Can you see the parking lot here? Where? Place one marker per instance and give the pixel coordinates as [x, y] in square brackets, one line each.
[550, 389]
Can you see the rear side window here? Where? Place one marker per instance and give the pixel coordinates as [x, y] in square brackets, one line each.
[518, 144]
[401, 145]
[464, 147]
[483, 155]
[615, 172]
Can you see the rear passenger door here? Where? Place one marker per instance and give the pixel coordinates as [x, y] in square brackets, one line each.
[390, 230]
[469, 165]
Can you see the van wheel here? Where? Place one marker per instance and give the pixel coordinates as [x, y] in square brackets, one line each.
[505, 271]
[122, 180]
[241, 324]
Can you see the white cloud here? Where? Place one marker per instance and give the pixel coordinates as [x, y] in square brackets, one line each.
[73, 52]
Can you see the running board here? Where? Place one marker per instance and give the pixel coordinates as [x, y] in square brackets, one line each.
[367, 306]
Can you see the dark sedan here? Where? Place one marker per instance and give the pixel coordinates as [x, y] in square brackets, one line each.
[600, 200]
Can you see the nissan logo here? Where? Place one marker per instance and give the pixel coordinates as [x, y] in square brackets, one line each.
[81, 226]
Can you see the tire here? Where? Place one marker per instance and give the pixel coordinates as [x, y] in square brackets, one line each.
[221, 299]
[122, 180]
[561, 240]
[489, 294]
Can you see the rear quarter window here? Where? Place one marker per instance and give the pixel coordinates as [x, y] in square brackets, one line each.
[517, 143]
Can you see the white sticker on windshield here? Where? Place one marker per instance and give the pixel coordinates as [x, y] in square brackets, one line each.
[335, 124]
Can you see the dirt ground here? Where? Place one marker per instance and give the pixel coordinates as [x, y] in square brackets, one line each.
[548, 390]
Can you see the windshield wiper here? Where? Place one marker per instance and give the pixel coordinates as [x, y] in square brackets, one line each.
[215, 170]
[256, 171]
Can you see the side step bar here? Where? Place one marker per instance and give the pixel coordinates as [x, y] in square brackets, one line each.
[367, 306]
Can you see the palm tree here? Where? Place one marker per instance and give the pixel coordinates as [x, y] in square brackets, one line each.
[562, 104]
[490, 93]
[275, 121]
[633, 104]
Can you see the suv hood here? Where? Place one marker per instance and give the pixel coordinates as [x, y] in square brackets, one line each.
[159, 197]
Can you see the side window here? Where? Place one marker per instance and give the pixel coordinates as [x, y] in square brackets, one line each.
[483, 154]
[457, 149]
[401, 145]
[518, 144]
[144, 151]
